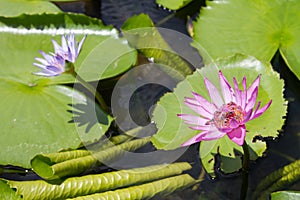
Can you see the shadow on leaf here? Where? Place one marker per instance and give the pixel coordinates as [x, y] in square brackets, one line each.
[88, 114]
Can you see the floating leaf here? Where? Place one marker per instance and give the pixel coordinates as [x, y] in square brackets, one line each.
[258, 28]
[142, 35]
[103, 55]
[6, 192]
[90, 184]
[290, 195]
[146, 191]
[35, 119]
[16, 7]
[278, 180]
[173, 4]
[35, 113]
[172, 131]
[44, 166]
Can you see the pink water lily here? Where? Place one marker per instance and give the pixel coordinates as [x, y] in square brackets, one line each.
[226, 114]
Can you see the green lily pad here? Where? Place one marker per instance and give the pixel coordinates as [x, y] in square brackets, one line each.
[258, 28]
[103, 54]
[37, 118]
[172, 131]
[173, 4]
[16, 7]
[291, 195]
[6, 192]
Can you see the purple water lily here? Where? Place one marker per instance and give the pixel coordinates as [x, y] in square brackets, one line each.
[228, 112]
[54, 64]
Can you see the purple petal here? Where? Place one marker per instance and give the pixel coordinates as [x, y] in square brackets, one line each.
[213, 93]
[227, 90]
[45, 73]
[54, 69]
[238, 135]
[80, 44]
[39, 65]
[259, 112]
[191, 119]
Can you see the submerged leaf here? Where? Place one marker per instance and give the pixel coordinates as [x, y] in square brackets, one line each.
[278, 180]
[172, 131]
[95, 183]
[146, 191]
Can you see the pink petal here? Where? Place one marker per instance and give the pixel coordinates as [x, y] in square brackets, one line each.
[198, 109]
[193, 140]
[227, 90]
[238, 135]
[244, 93]
[259, 112]
[247, 116]
[212, 134]
[209, 107]
[191, 119]
[252, 100]
[234, 123]
[201, 128]
[254, 85]
[238, 92]
[213, 93]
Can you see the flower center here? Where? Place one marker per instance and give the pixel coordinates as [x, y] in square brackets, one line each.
[226, 113]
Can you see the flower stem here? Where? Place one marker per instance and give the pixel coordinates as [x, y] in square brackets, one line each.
[245, 171]
[92, 90]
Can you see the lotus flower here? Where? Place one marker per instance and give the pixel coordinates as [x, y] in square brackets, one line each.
[54, 64]
[228, 112]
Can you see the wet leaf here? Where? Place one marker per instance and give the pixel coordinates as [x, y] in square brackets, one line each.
[281, 195]
[147, 191]
[140, 32]
[45, 166]
[13, 8]
[90, 184]
[172, 131]
[173, 4]
[258, 28]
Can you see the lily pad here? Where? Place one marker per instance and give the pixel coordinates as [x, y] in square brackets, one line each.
[258, 28]
[172, 131]
[173, 4]
[16, 7]
[103, 54]
[291, 195]
[37, 119]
